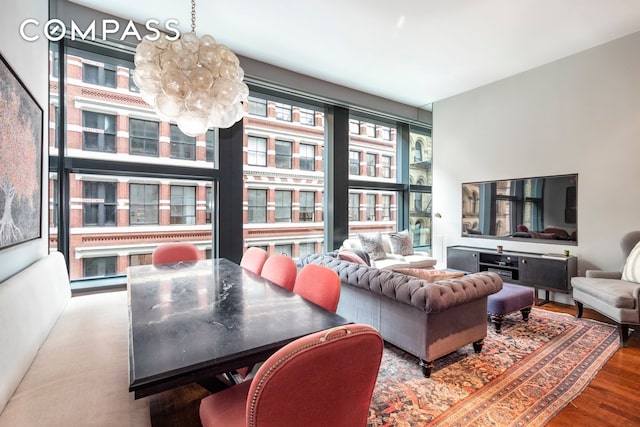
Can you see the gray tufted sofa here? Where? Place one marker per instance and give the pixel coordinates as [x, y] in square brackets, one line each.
[428, 320]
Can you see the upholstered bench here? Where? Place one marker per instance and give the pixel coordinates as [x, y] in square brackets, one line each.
[509, 299]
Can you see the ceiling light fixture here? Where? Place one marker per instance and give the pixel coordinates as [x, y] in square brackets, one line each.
[191, 80]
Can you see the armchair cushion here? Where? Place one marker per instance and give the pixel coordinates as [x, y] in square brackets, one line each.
[631, 271]
[615, 293]
[599, 274]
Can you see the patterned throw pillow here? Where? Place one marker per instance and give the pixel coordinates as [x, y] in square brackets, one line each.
[631, 270]
[372, 243]
[349, 255]
[401, 243]
[429, 275]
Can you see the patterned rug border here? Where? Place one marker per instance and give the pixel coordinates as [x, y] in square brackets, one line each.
[510, 384]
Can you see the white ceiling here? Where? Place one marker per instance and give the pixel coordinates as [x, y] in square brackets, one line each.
[415, 52]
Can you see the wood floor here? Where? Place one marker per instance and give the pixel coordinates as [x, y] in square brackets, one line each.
[611, 399]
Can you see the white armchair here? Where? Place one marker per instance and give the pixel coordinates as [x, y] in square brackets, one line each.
[608, 294]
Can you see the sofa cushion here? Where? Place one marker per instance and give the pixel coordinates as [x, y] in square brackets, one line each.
[351, 256]
[429, 275]
[631, 270]
[420, 260]
[372, 243]
[401, 243]
[390, 263]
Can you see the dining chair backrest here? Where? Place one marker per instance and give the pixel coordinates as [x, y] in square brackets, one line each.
[253, 259]
[320, 285]
[175, 252]
[323, 379]
[281, 270]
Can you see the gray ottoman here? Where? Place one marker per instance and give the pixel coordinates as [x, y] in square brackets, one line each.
[510, 298]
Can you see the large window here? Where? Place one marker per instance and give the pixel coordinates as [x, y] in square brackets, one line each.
[182, 146]
[283, 206]
[257, 151]
[283, 154]
[144, 136]
[103, 75]
[143, 204]
[420, 177]
[99, 132]
[98, 204]
[257, 206]
[183, 205]
[307, 205]
[307, 157]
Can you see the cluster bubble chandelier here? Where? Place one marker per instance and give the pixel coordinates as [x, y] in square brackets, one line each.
[192, 80]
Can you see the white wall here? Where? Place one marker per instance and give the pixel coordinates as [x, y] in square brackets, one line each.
[30, 61]
[579, 115]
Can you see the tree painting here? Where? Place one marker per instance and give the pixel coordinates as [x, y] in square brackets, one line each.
[20, 161]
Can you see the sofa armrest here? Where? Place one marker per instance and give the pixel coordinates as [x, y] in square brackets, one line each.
[598, 274]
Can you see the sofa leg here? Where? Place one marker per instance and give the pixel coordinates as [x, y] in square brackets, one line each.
[426, 368]
[477, 345]
[525, 313]
[623, 331]
[580, 307]
[497, 322]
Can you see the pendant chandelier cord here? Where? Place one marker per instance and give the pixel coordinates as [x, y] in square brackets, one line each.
[193, 16]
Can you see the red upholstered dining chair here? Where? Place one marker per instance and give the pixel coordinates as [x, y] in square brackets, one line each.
[281, 270]
[322, 379]
[253, 259]
[319, 284]
[175, 252]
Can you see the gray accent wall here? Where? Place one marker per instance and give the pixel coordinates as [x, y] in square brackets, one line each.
[30, 61]
[580, 114]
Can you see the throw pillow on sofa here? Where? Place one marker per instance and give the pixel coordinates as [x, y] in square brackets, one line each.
[372, 243]
[631, 270]
[351, 256]
[401, 243]
[429, 275]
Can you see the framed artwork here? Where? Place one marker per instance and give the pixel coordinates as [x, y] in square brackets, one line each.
[21, 131]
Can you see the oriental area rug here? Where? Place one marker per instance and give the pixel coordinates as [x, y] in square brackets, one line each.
[523, 376]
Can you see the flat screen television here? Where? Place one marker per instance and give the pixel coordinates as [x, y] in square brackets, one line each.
[541, 209]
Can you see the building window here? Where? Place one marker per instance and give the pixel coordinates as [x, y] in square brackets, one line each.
[417, 152]
[283, 206]
[210, 139]
[354, 127]
[56, 125]
[98, 204]
[209, 207]
[305, 249]
[354, 162]
[307, 205]
[99, 132]
[143, 204]
[182, 146]
[143, 137]
[283, 154]
[103, 76]
[307, 157]
[183, 205]
[386, 207]
[283, 249]
[257, 106]
[417, 201]
[384, 132]
[370, 130]
[371, 164]
[257, 206]
[307, 117]
[283, 112]
[100, 266]
[385, 162]
[354, 207]
[257, 151]
[371, 207]
[139, 259]
[133, 87]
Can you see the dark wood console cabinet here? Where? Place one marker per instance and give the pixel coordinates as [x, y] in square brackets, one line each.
[548, 272]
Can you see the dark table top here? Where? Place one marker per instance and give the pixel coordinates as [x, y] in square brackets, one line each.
[190, 322]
